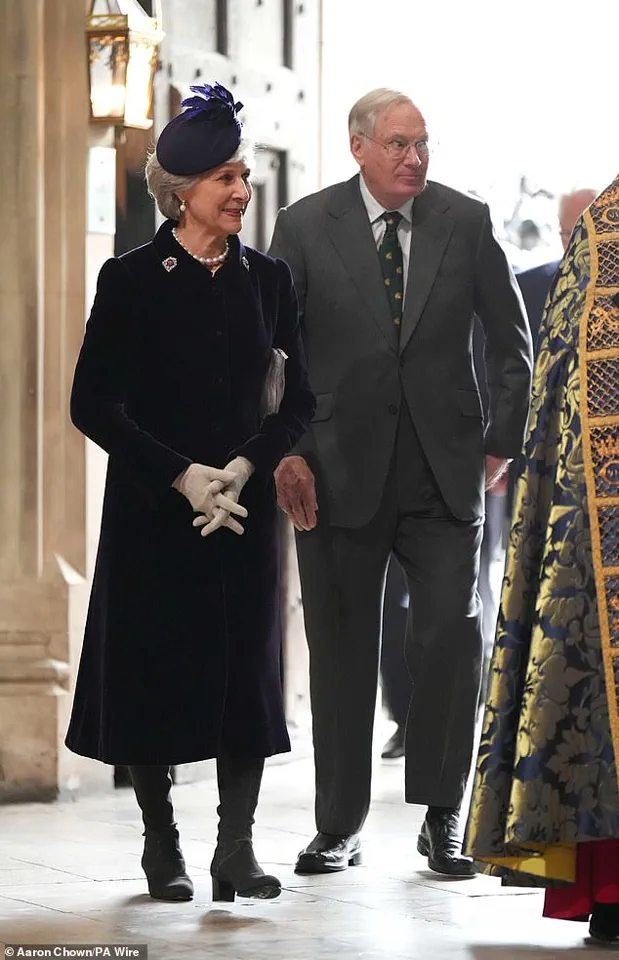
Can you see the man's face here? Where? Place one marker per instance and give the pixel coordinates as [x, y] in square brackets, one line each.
[394, 162]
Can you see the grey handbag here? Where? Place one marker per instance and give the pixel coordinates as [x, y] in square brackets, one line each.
[274, 383]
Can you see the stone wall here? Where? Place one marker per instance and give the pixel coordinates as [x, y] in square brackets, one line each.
[44, 116]
[50, 479]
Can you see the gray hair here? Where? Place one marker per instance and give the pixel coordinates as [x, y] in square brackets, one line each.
[365, 112]
[165, 187]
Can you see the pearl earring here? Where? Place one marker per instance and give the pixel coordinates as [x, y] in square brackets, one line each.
[183, 207]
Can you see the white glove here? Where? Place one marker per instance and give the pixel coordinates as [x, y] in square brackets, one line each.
[203, 487]
[239, 470]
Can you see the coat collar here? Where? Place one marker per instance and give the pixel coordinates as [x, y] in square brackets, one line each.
[351, 233]
[174, 259]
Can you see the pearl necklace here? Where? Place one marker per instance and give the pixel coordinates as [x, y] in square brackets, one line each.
[205, 261]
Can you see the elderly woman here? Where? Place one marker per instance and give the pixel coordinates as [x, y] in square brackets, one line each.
[182, 651]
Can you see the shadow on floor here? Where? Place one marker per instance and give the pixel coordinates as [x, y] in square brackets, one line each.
[221, 919]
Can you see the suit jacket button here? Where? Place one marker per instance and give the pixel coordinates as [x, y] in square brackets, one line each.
[393, 408]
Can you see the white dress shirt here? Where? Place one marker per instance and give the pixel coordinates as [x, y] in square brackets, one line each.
[375, 212]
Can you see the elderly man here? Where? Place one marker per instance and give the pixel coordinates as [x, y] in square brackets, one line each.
[390, 269]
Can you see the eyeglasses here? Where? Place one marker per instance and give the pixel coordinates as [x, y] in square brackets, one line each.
[398, 148]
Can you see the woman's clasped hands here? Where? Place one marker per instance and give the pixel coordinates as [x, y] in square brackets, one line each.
[214, 494]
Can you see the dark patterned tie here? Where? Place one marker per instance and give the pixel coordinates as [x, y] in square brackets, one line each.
[390, 253]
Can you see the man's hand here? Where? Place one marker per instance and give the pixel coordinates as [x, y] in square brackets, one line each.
[495, 468]
[296, 492]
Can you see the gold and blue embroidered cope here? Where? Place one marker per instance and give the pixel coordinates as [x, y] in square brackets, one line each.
[547, 770]
[391, 262]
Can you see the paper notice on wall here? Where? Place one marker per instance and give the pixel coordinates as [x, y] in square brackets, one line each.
[102, 190]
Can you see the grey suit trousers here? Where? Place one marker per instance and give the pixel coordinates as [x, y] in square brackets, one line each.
[342, 579]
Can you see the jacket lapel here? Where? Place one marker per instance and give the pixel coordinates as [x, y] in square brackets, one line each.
[351, 234]
[431, 230]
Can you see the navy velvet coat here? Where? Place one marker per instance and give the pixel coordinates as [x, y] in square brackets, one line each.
[182, 650]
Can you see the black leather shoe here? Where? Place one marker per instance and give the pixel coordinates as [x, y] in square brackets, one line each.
[604, 923]
[328, 854]
[394, 748]
[439, 842]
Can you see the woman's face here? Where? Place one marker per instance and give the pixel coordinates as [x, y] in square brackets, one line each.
[219, 200]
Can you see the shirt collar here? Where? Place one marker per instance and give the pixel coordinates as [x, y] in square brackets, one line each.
[375, 209]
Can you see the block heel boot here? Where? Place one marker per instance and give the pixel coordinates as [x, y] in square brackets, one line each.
[234, 869]
[162, 859]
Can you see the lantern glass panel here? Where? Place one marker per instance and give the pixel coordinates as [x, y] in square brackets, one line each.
[108, 75]
[139, 82]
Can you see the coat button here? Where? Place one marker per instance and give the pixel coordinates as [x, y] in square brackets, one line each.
[402, 361]
[393, 408]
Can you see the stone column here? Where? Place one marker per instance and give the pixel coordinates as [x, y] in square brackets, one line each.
[44, 125]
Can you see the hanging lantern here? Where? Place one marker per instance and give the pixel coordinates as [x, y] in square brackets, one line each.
[123, 43]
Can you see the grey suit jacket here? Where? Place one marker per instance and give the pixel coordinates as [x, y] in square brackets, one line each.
[362, 371]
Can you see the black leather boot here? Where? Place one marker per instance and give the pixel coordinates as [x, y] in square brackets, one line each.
[164, 866]
[234, 869]
[162, 860]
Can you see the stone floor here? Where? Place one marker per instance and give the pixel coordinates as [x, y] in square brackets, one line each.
[70, 873]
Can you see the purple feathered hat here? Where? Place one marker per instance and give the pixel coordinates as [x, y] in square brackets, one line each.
[205, 134]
